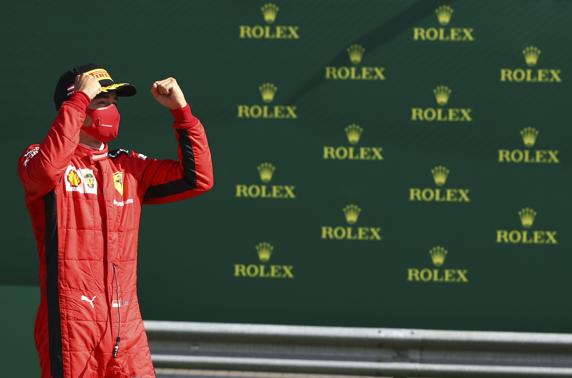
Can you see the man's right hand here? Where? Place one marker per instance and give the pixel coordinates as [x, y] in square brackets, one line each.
[88, 85]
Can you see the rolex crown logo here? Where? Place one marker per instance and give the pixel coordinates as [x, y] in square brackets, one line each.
[531, 55]
[355, 53]
[267, 91]
[269, 12]
[529, 135]
[440, 175]
[264, 251]
[442, 94]
[444, 13]
[351, 212]
[266, 171]
[527, 216]
[353, 132]
[438, 255]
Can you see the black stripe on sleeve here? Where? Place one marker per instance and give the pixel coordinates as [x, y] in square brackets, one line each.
[189, 180]
[54, 324]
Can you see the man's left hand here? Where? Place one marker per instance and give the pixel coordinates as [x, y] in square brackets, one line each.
[168, 93]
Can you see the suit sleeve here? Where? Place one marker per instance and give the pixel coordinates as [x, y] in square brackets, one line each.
[169, 180]
[41, 166]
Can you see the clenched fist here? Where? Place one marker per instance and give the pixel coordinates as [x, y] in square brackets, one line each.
[88, 85]
[168, 93]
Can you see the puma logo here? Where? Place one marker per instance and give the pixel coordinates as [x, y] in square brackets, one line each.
[84, 298]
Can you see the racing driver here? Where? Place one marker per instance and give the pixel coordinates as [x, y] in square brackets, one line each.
[85, 204]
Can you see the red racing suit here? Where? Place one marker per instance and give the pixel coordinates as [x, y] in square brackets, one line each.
[85, 207]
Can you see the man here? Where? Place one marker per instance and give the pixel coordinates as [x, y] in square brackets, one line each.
[85, 203]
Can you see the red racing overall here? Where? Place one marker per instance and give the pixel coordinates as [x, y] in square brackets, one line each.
[85, 207]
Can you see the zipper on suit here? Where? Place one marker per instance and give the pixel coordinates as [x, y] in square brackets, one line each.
[118, 338]
[104, 172]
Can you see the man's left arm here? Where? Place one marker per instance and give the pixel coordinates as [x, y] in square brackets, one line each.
[169, 180]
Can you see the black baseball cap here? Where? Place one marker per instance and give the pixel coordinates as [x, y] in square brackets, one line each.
[65, 85]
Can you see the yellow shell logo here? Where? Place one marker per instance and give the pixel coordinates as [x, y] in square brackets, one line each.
[118, 182]
[73, 178]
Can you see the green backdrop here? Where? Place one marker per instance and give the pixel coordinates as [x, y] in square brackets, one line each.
[480, 243]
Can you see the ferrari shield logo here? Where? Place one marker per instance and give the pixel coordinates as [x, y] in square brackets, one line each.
[118, 182]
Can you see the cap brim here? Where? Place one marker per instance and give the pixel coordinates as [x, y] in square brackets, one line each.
[121, 89]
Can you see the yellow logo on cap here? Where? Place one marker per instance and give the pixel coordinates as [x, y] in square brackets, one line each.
[99, 74]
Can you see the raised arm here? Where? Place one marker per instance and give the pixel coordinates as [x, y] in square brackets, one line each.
[41, 166]
[169, 180]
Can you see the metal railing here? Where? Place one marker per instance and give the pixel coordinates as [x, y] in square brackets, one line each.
[357, 351]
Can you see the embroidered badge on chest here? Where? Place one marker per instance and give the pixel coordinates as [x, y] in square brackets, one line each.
[118, 182]
[73, 178]
[80, 180]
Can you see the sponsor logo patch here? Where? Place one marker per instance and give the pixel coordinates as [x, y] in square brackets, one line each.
[89, 180]
[128, 201]
[73, 178]
[118, 182]
[90, 301]
[30, 154]
[80, 180]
